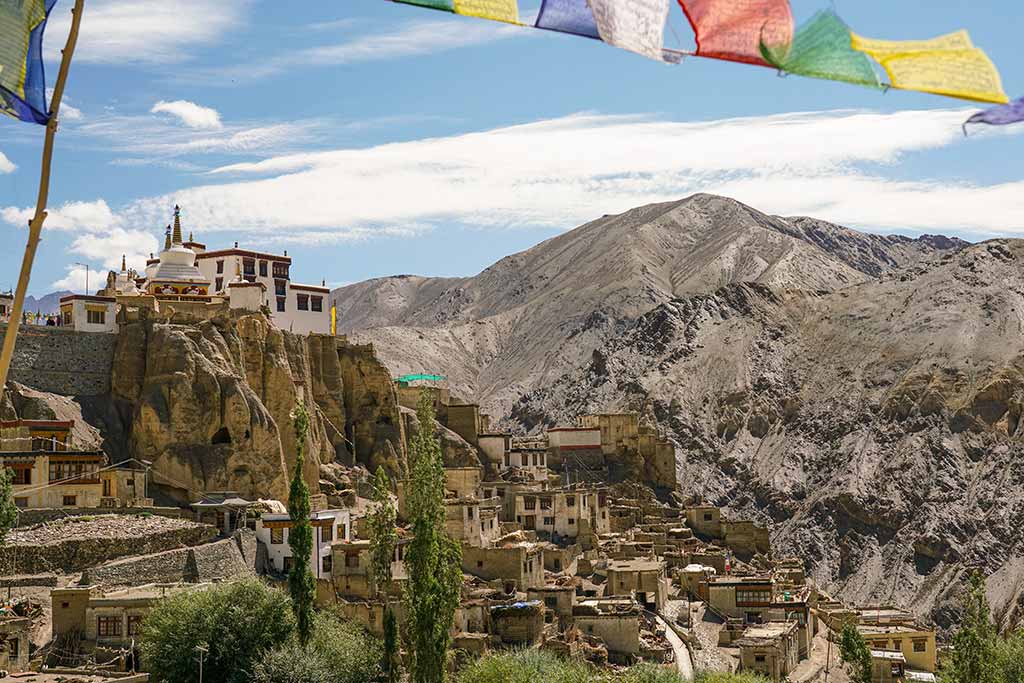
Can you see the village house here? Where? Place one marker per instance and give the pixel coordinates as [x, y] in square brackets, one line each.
[470, 522]
[520, 624]
[559, 601]
[771, 649]
[741, 597]
[352, 569]
[86, 313]
[225, 510]
[616, 621]
[6, 305]
[915, 642]
[329, 527]
[575, 449]
[531, 459]
[492, 447]
[643, 579]
[14, 643]
[705, 520]
[520, 566]
[568, 513]
[48, 472]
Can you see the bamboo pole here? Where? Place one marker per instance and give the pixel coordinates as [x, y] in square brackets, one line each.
[35, 226]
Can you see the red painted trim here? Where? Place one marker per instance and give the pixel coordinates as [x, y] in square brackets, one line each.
[88, 297]
[244, 252]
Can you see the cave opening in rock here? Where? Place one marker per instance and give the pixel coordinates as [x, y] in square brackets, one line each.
[221, 436]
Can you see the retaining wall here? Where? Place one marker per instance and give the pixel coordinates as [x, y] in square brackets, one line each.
[62, 361]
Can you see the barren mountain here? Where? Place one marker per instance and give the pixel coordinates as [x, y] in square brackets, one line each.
[862, 393]
[520, 324]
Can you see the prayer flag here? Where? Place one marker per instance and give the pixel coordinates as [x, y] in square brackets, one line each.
[635, 25]
[443, 5]
[568, 16]
[822, 49]
[496, 10]
[734, 29]
[22, 82]
[999, 116]
[948, 65]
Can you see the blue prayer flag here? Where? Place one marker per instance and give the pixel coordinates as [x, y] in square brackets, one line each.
[22, 81]
[568, 16]
[1002, 115]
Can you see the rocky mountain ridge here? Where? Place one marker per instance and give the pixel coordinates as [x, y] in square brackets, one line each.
[862, 393]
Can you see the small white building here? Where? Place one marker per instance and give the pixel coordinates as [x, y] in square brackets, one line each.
[329, 527]
[6, 305]
[85, 313]
[533, 460]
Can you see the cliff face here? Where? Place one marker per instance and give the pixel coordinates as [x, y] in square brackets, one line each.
[210, 404]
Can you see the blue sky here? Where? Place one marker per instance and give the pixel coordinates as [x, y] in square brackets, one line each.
[369, 138]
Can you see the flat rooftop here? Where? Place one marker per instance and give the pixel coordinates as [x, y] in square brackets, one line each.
[639, 565]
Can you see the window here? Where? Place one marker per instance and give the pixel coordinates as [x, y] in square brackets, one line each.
[276, 536]
[326, 564]
[220, 267]
[302, 302]
[134, 624]
[327, 533]
[108, 626]
[281, 270]
[279, 287]
[572, 520]
[218, 284]
[920, 645]
[22, 475]
[249, 266]
[280, 304]
[21, 502]
[749, 596]
[479, 564]
[12, 649]
[551, 603]
[530, 503]
[96, 317]
[759, 659]
[69, 501]
[352, 559]
[469, 512]
[508, 460]
[67, 317]
[545, 503]
[79, 471]
[570, 501]
[263, 268]
[558, 563]
[42, 444]
[287, 564]
[707, 516]
[317, 303]
[549, 521]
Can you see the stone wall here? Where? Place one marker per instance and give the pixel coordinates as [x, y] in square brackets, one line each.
[223, 559]
[62, 361]
[35, 516]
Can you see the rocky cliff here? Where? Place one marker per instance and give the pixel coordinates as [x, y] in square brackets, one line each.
[862, 394]
[209, 404]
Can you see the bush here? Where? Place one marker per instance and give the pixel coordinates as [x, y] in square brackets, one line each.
[237, 622]
[718, 677]
[339, 652]
[530, 666]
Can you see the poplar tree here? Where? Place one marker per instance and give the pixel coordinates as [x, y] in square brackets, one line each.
[855, 653]
[383, 540]
[434, 559]
[301, 585]
[974, 645]
[8, 510]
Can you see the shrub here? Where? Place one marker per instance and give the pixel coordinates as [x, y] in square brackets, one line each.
[339, 652]
[719, 677]
[530, 666]
[237, 622]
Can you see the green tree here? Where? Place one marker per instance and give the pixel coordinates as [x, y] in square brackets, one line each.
[383, 539]
[236, 622]
[434, 559]
[854, 652]
[1010, 658]
[339, 652]
[8, 510]
[300, 536]
[974, 645]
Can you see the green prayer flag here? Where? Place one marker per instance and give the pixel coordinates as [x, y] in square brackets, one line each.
[443, 5]
[822, 48]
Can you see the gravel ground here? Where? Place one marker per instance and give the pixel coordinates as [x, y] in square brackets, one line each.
[100, 526]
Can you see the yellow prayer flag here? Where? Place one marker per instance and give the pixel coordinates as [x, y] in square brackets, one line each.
[960, 40]
[334, 320]
[947, 65]
[496, 10]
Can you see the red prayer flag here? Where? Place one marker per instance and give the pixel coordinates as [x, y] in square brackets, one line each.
[734, 29]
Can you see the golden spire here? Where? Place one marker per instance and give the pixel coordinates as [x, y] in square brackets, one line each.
[167, 238]
[176, 237]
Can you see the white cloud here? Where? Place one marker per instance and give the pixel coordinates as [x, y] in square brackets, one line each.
[108, 247]
[69, 113]
[191, 114]
[93, 216]
[147, 31]
[413, 39]
[565, 171]
[75, 280]
[6, 165]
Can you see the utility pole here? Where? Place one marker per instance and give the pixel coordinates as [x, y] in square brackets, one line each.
[202, 650]
[86, 266]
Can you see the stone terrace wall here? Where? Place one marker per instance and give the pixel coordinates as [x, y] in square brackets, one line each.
[33, 516]
[62, 361]
[224, 559]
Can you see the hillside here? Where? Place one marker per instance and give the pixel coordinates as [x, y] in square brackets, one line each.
[862, 393]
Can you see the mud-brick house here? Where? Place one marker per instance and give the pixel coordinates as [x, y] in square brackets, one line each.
[471, 521]
[559, 601]
[14, 643]
[770, 649]
[643, 579]
[520, 624]
[519, 566]
[352, 570]
[916, 642]
[705, 520]
[616, 621]
[741, 597]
